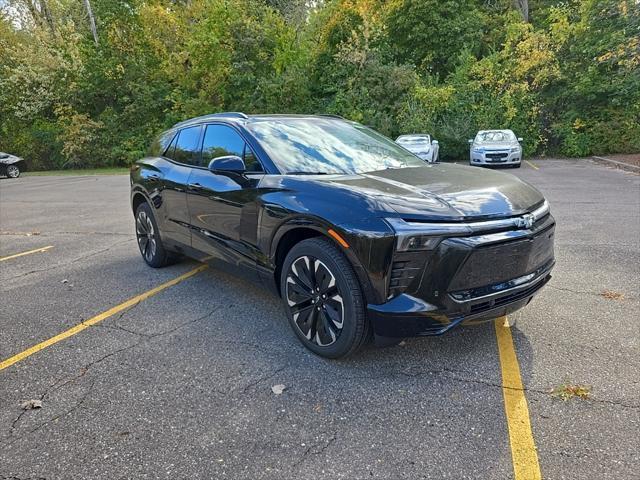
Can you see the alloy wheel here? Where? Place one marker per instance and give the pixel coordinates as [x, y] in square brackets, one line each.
[13, 171]
[315, 300]
[146, 236]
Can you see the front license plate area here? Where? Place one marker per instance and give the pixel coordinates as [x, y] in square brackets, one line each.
[498, 263]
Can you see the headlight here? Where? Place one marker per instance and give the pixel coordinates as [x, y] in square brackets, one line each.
[515, 149]
[477, 149]
[412, 238]
[412, 243]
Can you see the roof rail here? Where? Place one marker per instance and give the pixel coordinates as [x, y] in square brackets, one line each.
[211, 115]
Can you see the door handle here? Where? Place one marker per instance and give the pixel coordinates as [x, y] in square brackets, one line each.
[195, 186]
[154, 177]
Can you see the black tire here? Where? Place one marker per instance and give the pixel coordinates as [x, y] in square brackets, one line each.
[516, 166]
[12, 171]
[148, 237]
[315, 301]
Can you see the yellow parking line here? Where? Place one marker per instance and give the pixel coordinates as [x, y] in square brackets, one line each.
[16, 255]
[98, 318]
[532, 165]
[523, 450]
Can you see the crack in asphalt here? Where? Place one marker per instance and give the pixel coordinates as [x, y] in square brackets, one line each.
[118, 326]
[13, 477]
[10, 439]
[447, 374]
[258, 381]
[317, 448]
[84, 257]
[596, 294]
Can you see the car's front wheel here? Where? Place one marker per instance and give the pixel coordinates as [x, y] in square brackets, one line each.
[323, 299]
[13, 171]
[149, 241]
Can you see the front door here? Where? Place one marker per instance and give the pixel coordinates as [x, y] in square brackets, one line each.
[222, 207]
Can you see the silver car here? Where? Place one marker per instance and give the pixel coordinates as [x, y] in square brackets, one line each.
[495, 147]
[10, 165]
[421, 145]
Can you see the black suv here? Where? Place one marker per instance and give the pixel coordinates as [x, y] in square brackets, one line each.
[356, 234]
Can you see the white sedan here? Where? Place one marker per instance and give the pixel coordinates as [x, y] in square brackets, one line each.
[421, 145]
[495, 147]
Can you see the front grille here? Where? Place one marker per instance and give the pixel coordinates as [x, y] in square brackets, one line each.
[513, 297]
[502, 262]
[466, 295]
[497, 156]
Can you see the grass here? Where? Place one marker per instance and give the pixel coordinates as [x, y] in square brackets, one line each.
[81, 171]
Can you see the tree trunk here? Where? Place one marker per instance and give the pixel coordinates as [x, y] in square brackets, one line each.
[46, 13]
[92, 21]
[523, 7]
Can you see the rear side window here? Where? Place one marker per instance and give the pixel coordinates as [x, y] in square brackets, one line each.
[222, 140]
[169, 152]
[187, 146]
[160, 144]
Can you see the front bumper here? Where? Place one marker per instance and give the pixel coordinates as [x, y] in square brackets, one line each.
[498, 157]
[427, 157]
[470, 279]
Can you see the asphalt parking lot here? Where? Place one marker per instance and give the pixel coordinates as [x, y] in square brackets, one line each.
[178, 384]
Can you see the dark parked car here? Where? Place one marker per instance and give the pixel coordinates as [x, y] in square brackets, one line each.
[358, 236]
[10, 165]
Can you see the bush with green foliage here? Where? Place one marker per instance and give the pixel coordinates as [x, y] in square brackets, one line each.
[568, 81]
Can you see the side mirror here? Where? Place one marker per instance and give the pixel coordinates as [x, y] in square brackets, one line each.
[228, 163]
[434, 142]
[470, 141]
[519, 139]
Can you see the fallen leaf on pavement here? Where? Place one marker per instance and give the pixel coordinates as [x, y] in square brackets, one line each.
[567, 391]
[278, 389]
[31, 404]
[611, 295]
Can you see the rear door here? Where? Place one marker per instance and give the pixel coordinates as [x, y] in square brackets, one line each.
[222, 207]
[183, 154]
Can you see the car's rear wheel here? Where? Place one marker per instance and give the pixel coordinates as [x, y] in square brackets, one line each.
[323, 299]
[13, 171]
[149, 242]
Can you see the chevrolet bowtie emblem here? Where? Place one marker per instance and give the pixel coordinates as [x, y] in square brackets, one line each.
[525, 221]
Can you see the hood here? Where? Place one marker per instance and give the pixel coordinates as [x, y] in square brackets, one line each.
[443, 192]
[9, 159]
[495, 145]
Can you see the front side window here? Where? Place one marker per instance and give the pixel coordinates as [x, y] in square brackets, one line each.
[187, 149]
[324, 145]
[222, 140]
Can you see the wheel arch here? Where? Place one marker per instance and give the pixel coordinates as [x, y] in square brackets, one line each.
[137, 199]
[295, 232]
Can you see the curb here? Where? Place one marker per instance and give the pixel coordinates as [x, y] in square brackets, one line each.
[617, 164]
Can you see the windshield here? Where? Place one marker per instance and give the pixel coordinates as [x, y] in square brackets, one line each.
[319, 145]
[413, 139]
[500, 136]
